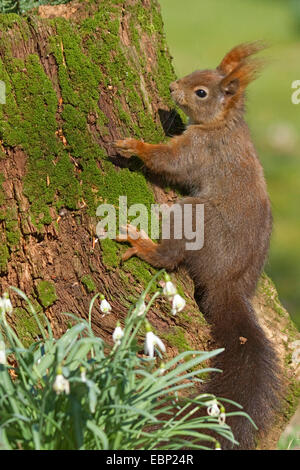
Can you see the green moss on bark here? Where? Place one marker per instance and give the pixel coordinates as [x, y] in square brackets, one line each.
[8, 20]
[89, 56]
[26, 326]
[4, 258]
[88, 282]
[11, 227]
[2, 196]
[177, 338]
[46, 293]
[110, 253]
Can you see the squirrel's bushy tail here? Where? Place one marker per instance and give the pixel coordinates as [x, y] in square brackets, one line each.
[251, 372]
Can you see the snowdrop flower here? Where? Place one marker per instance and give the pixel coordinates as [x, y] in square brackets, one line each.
[2, 353]
[222, 416]
[152, 340]
[140, 308]
[118, 334]
[5, 304]
[61, 384]
[83, 374]
[169, 289]
[105, 307]
[178, 304]
[162, 368]
[213, 408]
[218, 446]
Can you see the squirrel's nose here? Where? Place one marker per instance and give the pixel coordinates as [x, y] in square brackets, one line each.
[173, 86]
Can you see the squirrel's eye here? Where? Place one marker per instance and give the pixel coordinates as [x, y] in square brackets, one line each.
[201, 93]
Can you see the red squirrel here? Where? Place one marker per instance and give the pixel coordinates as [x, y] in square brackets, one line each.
[216, 162]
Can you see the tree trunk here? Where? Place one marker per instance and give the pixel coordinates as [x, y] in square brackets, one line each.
[77, 77]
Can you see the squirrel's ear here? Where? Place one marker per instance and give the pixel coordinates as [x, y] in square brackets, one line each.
[238, 54]
[240, 77]
[230, 87]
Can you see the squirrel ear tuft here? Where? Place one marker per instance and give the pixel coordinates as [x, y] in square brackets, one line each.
[237, 80]
[238, 54]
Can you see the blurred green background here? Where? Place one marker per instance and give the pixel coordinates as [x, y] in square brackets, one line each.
[199, 33]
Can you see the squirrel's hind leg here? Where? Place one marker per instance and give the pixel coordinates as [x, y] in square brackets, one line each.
[161, 255]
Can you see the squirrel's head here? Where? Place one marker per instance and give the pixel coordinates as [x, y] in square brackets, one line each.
[206, 96]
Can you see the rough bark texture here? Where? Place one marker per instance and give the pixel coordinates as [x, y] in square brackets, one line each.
[77, 78]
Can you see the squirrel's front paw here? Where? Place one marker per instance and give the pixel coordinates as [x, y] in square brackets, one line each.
[127, 147]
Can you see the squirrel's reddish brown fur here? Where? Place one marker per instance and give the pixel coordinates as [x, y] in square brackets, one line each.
[215, 161]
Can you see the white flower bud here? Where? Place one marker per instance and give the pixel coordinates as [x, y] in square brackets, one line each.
[169, 289]
[152, 340]
[213, 408]
[61, 384]
[5, 304]
[2, 353]
[105, 307]
[83, 374]
[178, 304]
[118, 335]
[222, 417]
[140, 309]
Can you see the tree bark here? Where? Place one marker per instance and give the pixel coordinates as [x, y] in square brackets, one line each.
[78, 77]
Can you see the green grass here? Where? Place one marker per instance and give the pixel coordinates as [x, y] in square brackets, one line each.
[199, 34]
